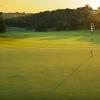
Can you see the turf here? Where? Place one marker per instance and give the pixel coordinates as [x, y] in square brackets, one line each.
[68, 39]
[49, 66]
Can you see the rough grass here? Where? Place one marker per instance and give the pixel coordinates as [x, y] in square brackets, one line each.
[34, 67]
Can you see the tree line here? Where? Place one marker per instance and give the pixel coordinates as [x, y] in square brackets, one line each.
[2, 24]
[61, 19]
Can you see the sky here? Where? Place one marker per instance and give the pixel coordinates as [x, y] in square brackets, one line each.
[34, 6]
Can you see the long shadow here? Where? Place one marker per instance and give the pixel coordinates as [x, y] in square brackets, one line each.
[84, 34]
[95, 38]
[29, 34]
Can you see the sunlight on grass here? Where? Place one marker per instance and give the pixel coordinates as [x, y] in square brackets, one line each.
[70, 39]
[28, 73]
[45, 42]
[32, 66]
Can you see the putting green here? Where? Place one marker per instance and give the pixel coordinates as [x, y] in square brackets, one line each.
[49, 68]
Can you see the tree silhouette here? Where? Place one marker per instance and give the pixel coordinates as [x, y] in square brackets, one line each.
[2, 24]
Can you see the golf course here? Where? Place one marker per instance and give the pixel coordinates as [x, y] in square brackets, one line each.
[50, 65]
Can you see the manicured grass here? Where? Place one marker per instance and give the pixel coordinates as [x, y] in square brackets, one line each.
[70, 39]
[49, 66]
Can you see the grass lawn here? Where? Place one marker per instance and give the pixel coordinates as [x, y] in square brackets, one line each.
[49, 66]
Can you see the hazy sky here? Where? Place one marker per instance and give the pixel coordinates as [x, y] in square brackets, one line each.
[43, 5]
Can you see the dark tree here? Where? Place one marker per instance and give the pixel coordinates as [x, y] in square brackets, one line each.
[2, 24]
[61, 19]
[98, 8]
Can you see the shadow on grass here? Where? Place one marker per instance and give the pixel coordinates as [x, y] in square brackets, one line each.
[84, 35]
[95, 38]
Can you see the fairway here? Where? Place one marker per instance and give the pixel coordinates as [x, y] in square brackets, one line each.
[49, 66]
